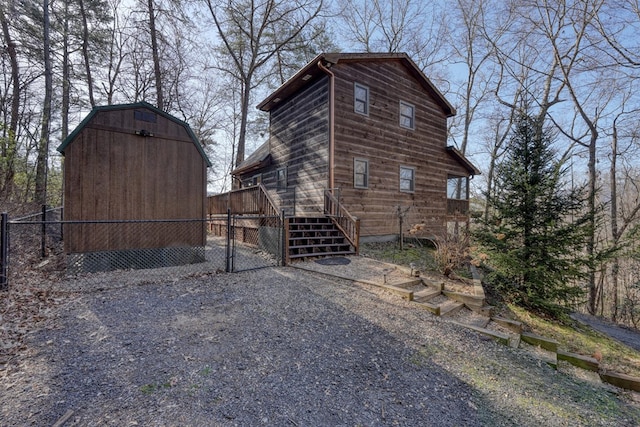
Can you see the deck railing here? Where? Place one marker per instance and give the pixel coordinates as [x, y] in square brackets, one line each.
[346, 222]
[457, 207]
[246, 201]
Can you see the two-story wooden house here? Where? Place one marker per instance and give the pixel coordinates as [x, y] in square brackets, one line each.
[369, 131]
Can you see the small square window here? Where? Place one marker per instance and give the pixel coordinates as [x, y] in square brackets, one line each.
[281, 179]
[360, 173]
[407, 179]
[407, 115]
[361, 99]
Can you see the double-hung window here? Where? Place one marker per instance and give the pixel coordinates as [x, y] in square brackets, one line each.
[407, 179]
[360, 173]
[361, 99]
[407, 115]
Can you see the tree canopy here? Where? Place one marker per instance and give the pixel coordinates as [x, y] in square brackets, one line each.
[537, 230]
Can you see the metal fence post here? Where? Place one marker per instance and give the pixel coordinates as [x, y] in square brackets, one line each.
[4, 251]
[228, 260]
[282, 239]
[43, 236]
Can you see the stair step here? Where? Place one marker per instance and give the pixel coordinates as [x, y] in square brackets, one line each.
[296, 239]
[319, 245]
[321, 254]
[321, 236]
[313, 230]
[450, 308]
[309, 220]
[310, 224]
[410, 284]
[316, 237]
[425, 294]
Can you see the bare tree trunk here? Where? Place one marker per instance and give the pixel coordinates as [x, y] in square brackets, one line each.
[244, 113]
[85, 52]
[591, 209]
[9, 148]
[43, 146]
[156, 56]
[66, 85]
[615, 267]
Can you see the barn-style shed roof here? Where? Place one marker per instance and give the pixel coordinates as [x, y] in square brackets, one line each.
[139, 105]
[312, 70]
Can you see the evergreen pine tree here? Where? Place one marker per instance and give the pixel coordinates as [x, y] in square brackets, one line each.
[535, 236]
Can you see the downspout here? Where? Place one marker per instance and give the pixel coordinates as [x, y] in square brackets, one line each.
[331, 123]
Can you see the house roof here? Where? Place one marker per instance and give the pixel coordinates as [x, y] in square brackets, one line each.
[460, 158]
[96, 110]
[257, 160]
[311, 70]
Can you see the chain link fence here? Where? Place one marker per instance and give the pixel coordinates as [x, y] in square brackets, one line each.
[46, 244]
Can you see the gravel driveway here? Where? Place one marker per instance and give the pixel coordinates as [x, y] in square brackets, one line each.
[278, 347]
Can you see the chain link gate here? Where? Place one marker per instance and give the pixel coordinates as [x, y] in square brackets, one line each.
[255, 242]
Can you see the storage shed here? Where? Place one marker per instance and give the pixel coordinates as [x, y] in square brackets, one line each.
[135, 182]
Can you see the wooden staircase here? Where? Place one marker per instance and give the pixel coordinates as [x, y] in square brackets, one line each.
[315, 237]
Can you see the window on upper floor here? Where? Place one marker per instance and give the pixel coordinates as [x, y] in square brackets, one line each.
[281, 179]
[458, 187]
[360, 173]
[361, 99]
[407, 179]
[407, 115]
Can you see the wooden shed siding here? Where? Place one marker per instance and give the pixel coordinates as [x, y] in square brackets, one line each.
[117, 175]
[380, 139]
[299, 141]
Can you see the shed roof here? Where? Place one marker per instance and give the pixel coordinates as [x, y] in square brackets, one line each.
[312, 69]
[96, 110]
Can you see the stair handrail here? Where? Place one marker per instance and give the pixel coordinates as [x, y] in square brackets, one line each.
[272, 206]
[342, 218]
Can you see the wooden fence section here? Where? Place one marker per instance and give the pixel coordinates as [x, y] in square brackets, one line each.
[255, 216]
[347, 223]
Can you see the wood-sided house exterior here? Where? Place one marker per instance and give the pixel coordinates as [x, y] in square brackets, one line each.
[372, 129]
[133, 176]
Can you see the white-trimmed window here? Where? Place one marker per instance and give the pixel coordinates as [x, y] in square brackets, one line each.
[360, 173]
[281, 179]
[407, 179]
[361, 99]
[407, 115]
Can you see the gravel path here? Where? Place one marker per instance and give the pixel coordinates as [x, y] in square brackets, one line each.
[278, 347]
